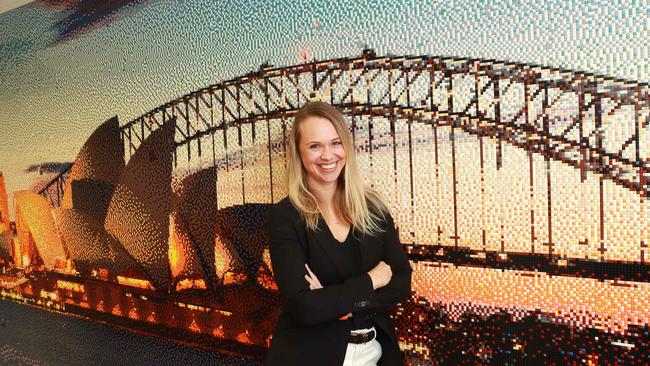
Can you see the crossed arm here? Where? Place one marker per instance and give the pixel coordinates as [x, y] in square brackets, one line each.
[311, 304]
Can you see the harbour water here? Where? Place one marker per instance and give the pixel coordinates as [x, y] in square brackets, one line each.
[35, 336]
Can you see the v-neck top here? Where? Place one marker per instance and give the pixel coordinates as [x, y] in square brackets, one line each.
[351, 252]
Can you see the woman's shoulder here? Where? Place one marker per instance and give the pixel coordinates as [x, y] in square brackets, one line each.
[284, 207]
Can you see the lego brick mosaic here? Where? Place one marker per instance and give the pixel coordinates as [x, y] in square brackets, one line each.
[143, 143]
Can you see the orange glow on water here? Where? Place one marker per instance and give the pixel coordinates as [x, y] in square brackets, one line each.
[585, 302]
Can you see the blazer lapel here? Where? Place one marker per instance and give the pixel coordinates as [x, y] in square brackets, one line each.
[367, 246]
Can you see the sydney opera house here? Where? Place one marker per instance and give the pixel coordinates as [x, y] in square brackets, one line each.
[126, 241]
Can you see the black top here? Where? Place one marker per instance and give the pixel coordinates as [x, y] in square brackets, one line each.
[308, 331]
[351, 251]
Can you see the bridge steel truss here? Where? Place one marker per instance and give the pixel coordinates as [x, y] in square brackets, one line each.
[593, 123]
[590, 122]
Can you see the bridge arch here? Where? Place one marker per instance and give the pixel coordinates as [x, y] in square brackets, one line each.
[521, 128]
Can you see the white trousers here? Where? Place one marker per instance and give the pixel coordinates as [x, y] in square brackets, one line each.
[363, 354]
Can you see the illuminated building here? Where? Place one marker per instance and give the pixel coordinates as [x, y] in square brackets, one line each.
[4, 206]
[37, 233]
[138, 212]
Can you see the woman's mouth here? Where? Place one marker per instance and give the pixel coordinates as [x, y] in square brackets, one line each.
[328, 167]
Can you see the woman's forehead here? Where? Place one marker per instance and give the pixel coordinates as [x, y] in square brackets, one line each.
[315, 128]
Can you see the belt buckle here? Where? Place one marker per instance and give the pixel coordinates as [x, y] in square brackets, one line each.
[365, 336]
[359, 338]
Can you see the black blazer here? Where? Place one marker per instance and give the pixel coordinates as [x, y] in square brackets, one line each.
[308, 330]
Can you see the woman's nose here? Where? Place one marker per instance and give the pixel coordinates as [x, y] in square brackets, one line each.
[326, 154]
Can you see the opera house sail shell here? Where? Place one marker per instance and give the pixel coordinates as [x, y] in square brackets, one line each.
[95, 172]
[138, 213]
[92, 248]
[194, 209]
[184, 258]
[113, 219]
[240, 240]
[37, 233]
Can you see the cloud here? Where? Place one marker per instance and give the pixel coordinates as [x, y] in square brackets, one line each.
[83, 16]
[49, 167]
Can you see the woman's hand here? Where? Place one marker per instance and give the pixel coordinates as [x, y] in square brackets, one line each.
[311, 278]
[315, 284]
[380, 275]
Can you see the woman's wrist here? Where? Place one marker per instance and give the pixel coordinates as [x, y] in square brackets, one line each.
[372, 280]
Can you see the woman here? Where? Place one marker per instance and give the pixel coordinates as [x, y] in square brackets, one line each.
[335, 253]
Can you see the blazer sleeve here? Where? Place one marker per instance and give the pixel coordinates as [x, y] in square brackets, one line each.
[399, 287]
[308, 307]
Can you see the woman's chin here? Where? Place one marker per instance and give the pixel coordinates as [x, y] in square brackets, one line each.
[327, 179]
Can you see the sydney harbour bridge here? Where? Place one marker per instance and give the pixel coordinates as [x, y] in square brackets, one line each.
[520, 172]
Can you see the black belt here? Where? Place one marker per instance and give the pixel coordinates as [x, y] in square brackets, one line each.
[361, 337]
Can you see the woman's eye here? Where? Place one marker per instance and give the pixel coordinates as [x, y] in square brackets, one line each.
[313, 147]
[337, 142]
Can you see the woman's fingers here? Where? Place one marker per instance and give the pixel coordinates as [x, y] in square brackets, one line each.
[309, 271]
[312, 284]
[317, 282]
[311, 278]
[346, 316]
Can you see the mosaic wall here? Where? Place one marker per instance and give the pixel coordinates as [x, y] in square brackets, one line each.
[518, 171]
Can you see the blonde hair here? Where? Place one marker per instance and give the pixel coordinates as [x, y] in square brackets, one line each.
[363, 207]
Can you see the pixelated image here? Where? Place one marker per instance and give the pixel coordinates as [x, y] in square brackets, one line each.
[145, 141]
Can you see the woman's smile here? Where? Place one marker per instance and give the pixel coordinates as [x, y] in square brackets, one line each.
[321, 151]
[328, 167]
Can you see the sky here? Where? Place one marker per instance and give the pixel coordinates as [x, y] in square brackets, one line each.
[8, 5]
[67, 66]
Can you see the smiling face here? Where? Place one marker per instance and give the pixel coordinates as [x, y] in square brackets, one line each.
[321, 151]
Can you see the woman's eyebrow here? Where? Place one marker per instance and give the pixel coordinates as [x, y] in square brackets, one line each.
[318, 142]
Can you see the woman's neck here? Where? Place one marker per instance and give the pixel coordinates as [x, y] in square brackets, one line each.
[324, 196]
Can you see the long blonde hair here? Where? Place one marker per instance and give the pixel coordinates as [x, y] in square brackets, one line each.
[363, 207]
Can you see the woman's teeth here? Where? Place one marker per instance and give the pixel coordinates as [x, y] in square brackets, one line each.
[328, 166]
